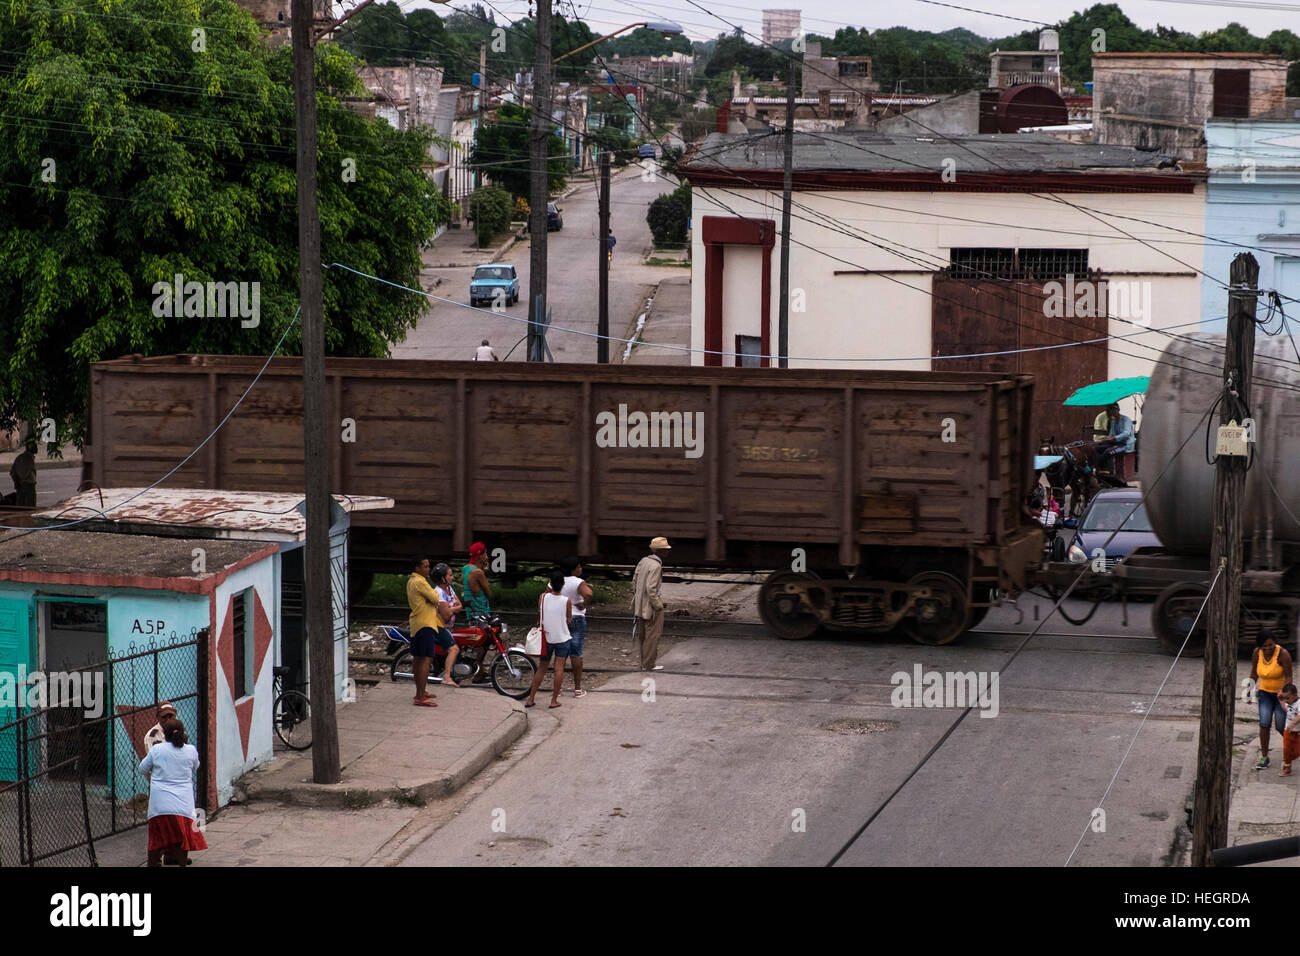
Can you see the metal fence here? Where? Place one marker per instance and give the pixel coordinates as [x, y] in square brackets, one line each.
[76, 770]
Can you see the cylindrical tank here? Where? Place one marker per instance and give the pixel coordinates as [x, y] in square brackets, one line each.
[1049, 40]
[1184, 384]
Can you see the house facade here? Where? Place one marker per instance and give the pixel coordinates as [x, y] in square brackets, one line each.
[1252, 204]
[908, 253]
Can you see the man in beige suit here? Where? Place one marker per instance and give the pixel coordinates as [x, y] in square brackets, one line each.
[647, 605]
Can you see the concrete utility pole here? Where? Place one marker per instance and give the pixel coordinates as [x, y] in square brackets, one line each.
[318, 614]
[787, 197]
[539, 191]
[482, 100]
[1219, 689]
[602, 322]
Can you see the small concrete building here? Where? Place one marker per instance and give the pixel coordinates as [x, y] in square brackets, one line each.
[133, 609]
[1161, 100]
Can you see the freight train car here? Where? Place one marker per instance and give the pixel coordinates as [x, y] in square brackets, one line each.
[877, 499]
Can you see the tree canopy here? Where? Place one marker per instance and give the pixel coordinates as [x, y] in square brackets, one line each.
[502, 150]
[146, 139]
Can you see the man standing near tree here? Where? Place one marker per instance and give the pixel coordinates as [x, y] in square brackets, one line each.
[648, 605]
[23, 474]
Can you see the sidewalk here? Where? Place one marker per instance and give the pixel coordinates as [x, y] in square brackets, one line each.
[1264, 805]
[394, 758]
[665, 321]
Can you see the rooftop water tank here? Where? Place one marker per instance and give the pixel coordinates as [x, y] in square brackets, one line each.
[1049, 40]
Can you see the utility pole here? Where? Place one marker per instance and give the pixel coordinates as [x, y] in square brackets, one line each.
[539, 192]
[602, 322]
[787, 197]
[1218, 691]
[482, 98]
[317, 604]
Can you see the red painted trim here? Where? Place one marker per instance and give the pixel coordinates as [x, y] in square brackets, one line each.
[204, 585]
[718, 232]
[921, 180]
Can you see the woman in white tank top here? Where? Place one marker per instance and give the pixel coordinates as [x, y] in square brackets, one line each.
[555, 612]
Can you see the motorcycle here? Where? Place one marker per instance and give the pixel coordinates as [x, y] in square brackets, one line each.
[482, 651]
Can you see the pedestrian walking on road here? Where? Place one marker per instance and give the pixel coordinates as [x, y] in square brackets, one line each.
[1270, 668]
[648, 605]
[578, 592]
[1291, 736]
[170, 767]
[555, 613]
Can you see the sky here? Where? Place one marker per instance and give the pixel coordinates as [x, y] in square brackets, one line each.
[823, 16]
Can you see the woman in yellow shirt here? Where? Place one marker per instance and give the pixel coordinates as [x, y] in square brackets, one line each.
[1270, 668]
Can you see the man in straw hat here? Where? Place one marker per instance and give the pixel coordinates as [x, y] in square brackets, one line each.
[647, 605]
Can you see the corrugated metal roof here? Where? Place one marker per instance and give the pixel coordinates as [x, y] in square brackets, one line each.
[869, 150]
[252, 515]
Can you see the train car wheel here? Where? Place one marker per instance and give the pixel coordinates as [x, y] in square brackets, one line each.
[1172, 616]
[940, 618]
[782, 610]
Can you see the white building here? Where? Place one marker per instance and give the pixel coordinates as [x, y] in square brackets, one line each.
[903, 250]
[781, 25]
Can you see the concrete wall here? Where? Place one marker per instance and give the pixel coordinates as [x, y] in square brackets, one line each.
[1253, 198]
[243, 726]
[886, 317]
[952, 116]
[1163, 102]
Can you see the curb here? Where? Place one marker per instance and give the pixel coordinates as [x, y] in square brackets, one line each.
[344, 796]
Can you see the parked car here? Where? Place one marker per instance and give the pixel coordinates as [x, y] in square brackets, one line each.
[1105, 513]
[647, 151]
[487, 279]
[554, 221]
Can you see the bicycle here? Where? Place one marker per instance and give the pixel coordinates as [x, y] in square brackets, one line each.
[292, 713]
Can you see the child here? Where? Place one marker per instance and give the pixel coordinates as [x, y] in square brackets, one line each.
[1291, 736]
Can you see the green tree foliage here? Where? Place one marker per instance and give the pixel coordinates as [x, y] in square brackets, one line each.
[136, 149]
[644, 42]
[733, 52]
[668, 215]
[383, 35]
[919, 61]
[612, 140]
[501, 150]
[489, 208]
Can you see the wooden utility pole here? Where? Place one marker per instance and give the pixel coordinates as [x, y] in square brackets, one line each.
[318, 614]
[1218, 691]
[482, 100]
[787, 198]
[602, 321]
[539, 190]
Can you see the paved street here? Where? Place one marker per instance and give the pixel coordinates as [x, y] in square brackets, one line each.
[452, 330]
[743, 734]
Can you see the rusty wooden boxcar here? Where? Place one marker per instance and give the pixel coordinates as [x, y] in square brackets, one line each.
[891, 498]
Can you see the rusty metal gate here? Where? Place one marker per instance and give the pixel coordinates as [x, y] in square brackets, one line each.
[77, 775]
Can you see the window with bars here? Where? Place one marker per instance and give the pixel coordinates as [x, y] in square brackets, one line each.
[1002, 263]
[242, 639]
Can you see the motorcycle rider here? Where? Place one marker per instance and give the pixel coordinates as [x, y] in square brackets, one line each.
[478, 593]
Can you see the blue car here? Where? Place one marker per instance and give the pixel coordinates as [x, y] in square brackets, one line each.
[647, 151]
[1108, 511]
[492, 281]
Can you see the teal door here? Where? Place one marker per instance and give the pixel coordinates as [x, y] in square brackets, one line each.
[15, 650]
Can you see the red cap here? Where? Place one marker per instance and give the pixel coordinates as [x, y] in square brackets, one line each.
[478, 547]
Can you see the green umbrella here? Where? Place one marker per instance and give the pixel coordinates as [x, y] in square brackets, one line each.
[1108, 393]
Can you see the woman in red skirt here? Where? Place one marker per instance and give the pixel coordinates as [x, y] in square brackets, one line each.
[170, 766]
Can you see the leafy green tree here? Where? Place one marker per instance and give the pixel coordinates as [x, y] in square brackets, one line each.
[644, 42]
[501, 151]
[137, 150]
[489, 209]
[668, 216]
